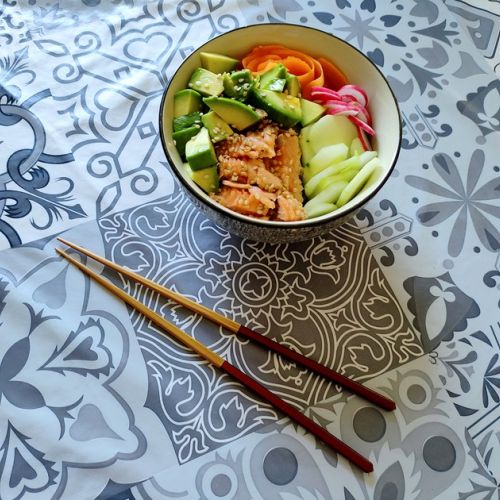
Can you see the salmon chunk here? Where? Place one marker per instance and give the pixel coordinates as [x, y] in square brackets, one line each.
[264, 179]
[254, 144]
[286, 164]
[289, 209]
[238, 169]
[260, 172]
[243, 201]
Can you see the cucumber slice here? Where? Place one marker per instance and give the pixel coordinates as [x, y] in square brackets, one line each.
[305, 146]
[328, 155]
[318, 209]
[356, 148]
[359, 180]
[332, 129]
[354, 161]
[346, 174]
[311, 186]
[330, 194]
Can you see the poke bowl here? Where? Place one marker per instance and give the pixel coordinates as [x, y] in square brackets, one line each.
[278, 132]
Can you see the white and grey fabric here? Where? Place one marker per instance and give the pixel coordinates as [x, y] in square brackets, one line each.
[95, 403]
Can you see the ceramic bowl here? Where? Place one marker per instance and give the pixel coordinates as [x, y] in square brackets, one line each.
[358, 69]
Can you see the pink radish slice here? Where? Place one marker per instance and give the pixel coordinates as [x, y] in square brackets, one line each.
[365, 142]
[345, 112]
[355, 91]
[341, 105]
[364, 115]
[323, 96]
[361, 124]
[335, 108]
[324, 92]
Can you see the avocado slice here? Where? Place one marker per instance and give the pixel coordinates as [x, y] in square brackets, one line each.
[182, 137]
[206, 178]
[186, 121]
[282, 108]
[274, 78]
[292, 85]
[200, 152]
[206, 83]
[216, 126]
[186, 101]
[235, 113]
[238, 83]
[311, 111]
[217, 63]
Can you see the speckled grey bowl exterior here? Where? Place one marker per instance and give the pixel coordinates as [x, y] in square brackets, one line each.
[383, 107]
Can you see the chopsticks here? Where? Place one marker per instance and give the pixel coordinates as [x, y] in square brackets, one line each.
[336, 444]
[235, 327]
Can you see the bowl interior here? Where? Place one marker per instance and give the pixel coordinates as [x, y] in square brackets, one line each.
[357, 67]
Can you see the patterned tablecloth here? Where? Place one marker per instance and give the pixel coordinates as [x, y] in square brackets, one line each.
[94, 403]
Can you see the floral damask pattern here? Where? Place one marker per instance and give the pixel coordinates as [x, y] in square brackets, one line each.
[483, 107]
[63, 339]
[23, 179]
[464, 199]
[338, 309]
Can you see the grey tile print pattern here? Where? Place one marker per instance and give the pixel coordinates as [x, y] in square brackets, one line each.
[102, 87]
[464, 372]
[421, 437]
[480, 20]
[57, 331]
[337, 309]
[85, 82]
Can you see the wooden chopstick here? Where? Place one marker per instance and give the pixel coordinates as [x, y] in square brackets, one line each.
[336, 444]
[235, 327]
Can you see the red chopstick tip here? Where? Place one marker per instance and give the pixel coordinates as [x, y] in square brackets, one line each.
[369, 468]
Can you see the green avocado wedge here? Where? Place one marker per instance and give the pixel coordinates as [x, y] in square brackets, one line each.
[281, 108]
[311, 112]
[186, 101]
[216, 126]
[206, 82]
[238, 83]
[181, 138]
[206, 178]
[274, 78]
[200, 152]
[217, 63]
[237, 114]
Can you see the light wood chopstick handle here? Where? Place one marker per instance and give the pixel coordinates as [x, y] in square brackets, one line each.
[176, 297]
[176, 332]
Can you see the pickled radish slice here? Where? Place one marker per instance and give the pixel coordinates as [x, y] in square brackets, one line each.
[356, 92]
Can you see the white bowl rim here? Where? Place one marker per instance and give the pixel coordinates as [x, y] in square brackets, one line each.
[306, 223]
